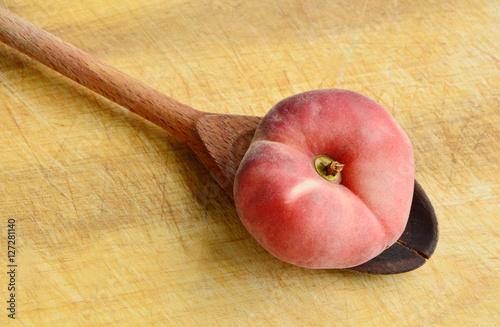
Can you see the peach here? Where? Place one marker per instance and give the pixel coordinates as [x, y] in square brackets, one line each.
[315, 212]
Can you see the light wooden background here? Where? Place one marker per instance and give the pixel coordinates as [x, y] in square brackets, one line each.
[117, 223]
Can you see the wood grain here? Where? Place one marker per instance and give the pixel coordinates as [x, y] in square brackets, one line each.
[117, 224]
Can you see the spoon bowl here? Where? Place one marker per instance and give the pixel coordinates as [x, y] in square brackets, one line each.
[219, 140]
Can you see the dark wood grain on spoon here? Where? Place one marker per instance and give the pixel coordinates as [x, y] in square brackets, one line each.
[219, 140]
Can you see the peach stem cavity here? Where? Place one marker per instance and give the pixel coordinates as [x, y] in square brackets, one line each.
[328, 168]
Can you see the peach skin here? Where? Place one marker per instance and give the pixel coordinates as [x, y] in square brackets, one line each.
[327, 181]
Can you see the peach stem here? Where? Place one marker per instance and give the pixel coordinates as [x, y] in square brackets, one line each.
[328, 168]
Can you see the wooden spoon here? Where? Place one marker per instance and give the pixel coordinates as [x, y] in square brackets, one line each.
[219, 140]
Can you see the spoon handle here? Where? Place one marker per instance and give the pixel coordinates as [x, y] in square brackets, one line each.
[175, 117]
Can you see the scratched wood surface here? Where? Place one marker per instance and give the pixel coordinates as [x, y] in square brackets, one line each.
[118, 224]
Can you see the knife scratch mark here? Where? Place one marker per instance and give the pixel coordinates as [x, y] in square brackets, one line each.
[353, 43]
[60, 147]
[23, 135]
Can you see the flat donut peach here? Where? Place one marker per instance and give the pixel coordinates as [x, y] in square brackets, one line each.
[327, 181]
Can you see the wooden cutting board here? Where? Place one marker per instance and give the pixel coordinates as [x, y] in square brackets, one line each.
[116, 223]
